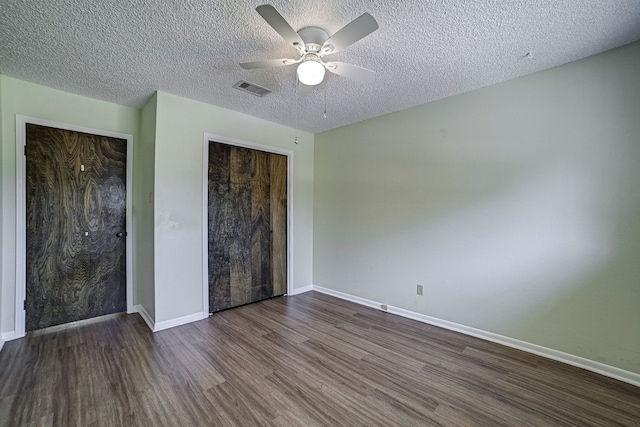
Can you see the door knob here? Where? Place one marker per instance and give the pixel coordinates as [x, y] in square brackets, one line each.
[121, 234]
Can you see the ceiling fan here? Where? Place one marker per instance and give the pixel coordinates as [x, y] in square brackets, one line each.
[313, 44]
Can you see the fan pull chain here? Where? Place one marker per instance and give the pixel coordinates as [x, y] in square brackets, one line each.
[326, 83]
[297, 120]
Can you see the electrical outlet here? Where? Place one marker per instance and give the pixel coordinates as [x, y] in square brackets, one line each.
[420, 290]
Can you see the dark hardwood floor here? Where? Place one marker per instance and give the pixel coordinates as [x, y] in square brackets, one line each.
[307, 360]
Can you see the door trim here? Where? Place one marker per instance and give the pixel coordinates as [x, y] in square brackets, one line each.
[21, 210]
[205, 206]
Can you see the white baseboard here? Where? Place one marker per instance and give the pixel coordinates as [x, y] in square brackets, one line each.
[166, 324]
[300, 290]
[171, 323]
[145, 316]
[570, 359]
[7, 336]
[154, 326]
[347, 297]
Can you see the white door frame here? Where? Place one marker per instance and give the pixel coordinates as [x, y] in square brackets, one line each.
[21, 210]
[205, 206]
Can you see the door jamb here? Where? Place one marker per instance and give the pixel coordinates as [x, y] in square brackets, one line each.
[205, 206]
[21, 210]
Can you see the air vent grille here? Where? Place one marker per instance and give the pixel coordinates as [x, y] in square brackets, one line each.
[251, 88]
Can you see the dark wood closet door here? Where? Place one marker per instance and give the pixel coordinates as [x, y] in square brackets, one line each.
[247, 225]
[76, 245]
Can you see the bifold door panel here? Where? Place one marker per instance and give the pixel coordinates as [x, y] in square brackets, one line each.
[247, 192]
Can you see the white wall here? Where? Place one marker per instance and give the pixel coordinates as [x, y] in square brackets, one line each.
[143, 208]
[181, 124]
[516, 205]
[1, 210]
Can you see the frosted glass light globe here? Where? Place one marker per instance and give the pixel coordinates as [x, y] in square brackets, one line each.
[310, 73]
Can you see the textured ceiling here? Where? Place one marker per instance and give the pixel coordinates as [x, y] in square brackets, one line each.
[124, 50]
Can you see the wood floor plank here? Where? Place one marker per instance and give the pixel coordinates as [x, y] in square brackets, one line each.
[307, 360]
[400, 409]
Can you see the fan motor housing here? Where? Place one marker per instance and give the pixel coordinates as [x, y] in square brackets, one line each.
[313, 37]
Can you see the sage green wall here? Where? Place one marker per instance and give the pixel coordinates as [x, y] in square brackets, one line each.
[178, 200]
[167, 208]
[516, 205]
[144, 167]
[1, 207]
[28, 99]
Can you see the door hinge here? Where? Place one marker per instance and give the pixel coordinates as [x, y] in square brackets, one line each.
[25, 150]
[25, 305]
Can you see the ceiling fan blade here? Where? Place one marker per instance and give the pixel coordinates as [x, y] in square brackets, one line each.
[351, 71]
[357, 29]
[266, 63]
[282, 27]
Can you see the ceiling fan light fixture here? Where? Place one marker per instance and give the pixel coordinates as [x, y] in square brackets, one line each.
[313, 43]
[327, 49]
[310, 72]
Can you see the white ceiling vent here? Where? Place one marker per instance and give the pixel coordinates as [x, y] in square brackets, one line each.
[252, 88]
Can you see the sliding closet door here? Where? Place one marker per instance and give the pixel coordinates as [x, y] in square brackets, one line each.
[247, 210]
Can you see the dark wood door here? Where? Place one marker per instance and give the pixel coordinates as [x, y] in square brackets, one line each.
[76, 219]
[247, 225]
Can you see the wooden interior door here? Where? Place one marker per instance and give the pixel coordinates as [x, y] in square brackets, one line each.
[247, 225]
[75, 225]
